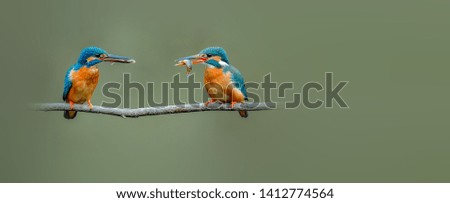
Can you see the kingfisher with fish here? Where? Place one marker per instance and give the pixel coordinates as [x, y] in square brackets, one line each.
[223, 82]
[81, 79]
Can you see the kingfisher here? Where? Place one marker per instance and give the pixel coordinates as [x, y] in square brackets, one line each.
[222, 81]
[82, 77]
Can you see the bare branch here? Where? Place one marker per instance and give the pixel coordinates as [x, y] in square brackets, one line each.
[153, 111]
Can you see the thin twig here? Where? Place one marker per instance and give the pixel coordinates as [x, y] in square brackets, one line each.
[153, 111]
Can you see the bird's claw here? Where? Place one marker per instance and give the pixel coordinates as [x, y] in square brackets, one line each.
[209, 102]
[90, 105]
[188, 65]
[71, 104]
[232, 104]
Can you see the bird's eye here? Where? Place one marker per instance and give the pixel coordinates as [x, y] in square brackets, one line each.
[208, 55]
[98, 55]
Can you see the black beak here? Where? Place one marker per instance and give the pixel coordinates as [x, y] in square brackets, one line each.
[119, 59]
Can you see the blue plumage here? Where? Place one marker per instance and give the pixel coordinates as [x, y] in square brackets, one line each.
[68, 82]
[213, 63]
[216, 51]
[89, 52]
[220, 72]
[81, 79]
[236, 77]
[81, 62]
[85, 60]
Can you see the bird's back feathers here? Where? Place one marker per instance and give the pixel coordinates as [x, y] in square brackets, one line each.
[236, 78]
[68, 81]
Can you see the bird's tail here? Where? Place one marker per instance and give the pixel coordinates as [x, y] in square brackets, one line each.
[70, 114]
[243, 114]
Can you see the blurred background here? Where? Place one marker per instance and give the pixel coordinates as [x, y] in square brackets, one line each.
[394, 53]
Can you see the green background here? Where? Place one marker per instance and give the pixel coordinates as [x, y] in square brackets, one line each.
[394, 53]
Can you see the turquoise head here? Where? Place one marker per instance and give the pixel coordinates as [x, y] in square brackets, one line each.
[90, 56]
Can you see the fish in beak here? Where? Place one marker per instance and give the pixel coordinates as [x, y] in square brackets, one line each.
[188, 65]
[196, 59]
[189, 61]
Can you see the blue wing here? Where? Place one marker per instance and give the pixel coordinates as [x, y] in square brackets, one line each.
[237, 79]
[67, 84]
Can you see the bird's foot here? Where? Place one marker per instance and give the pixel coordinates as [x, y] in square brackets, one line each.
[232, 104]
[210, 102]
[90, 105]
[71, 105]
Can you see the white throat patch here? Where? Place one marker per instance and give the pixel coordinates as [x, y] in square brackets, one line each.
[223, 63]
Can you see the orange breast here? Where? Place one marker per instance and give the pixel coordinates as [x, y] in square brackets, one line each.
[219, 87]
[84, 82]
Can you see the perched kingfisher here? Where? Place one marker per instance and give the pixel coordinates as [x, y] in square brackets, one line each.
[82, 78]
[223, 82]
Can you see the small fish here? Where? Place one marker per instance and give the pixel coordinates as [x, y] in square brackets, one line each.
[187, 63]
